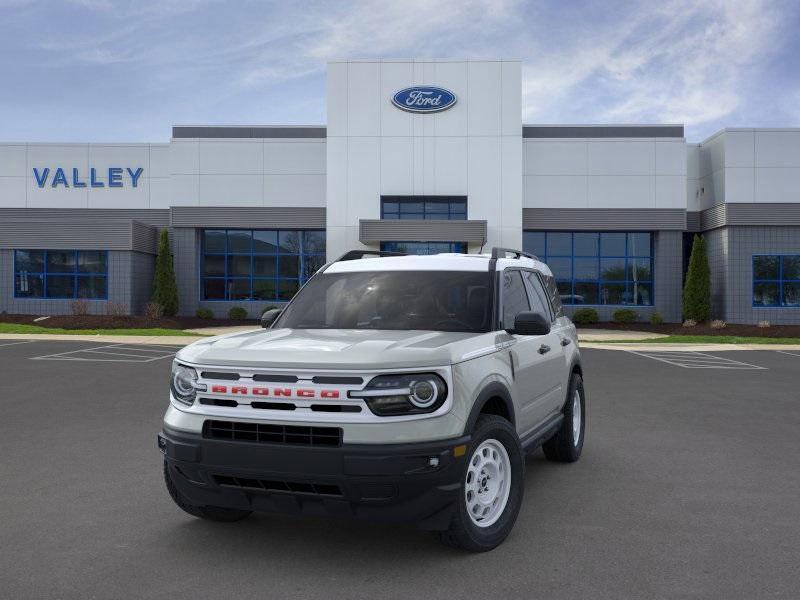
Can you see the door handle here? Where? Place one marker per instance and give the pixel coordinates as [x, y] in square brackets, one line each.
[544, 349]
[565, 341]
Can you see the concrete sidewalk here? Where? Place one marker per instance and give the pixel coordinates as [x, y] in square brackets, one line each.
[154, 340]
[613, 335]
[677, 347]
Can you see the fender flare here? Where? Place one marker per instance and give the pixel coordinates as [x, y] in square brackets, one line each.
[495, 389]
[574, 367]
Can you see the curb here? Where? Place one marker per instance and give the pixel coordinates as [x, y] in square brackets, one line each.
[677, 347]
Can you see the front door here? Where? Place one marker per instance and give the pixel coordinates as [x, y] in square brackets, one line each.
[536, 360]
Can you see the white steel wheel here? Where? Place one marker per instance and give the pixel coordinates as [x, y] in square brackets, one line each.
[488, 483]
[577, 417]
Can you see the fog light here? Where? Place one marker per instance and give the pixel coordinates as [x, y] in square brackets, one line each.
[433, 461]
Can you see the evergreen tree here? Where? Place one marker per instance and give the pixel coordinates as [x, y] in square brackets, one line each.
[697, 290]
[165, 288]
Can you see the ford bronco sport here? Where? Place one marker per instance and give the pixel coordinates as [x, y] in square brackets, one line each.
[395, 388]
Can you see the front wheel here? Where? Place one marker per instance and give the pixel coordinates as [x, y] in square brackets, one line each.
[491, 490]
[566, 445]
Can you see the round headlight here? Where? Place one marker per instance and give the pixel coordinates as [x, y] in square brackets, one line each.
[403, 394]
[184, 383]
[423, 393]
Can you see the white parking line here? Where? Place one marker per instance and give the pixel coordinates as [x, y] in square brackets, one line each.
[3, 345]
[697, 360]
[146, 350]
[787, 353]
[139, 356]
[127, 353]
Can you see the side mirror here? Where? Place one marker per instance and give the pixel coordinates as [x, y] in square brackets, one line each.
[531, 323]
[268, 318]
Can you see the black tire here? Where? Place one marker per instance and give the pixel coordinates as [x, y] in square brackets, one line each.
[212, 513]
[465, 534]
[562, 447]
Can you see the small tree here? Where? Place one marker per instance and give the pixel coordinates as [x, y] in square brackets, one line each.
[165, 288]
[697, 290]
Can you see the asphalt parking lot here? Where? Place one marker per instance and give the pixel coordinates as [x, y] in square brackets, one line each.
[689, 487]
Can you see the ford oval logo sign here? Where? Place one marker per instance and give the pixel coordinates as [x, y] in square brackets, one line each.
[424, 99]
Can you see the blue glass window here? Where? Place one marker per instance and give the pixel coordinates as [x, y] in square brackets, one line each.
[776, 280]
[424, 247]
[66, 274]
[258, 264]
[450, 208]
[597, 267]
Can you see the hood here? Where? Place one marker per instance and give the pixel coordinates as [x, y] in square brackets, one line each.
[330, 349]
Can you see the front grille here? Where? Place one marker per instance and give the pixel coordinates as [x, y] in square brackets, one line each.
[273, 434]
[290, 487]
[221, 376]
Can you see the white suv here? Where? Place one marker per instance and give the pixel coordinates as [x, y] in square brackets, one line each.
[395, 388]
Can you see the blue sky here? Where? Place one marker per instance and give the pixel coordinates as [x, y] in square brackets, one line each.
[105, 70]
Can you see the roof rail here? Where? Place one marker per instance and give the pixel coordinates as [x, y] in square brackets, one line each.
[501, 253]
[357, 254]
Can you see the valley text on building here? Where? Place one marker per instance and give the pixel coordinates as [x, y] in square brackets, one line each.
[417, 156]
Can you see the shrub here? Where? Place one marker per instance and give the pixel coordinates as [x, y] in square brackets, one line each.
[764, 324]
[79, 308]
[116, 309]
[697, 291]
[269, 307]
[204, 313]
[624, 315]
[690, 323]
[656, 318]
[165, 288]
[237, 313]
[585, 316]
[717, 324]
[153, 311]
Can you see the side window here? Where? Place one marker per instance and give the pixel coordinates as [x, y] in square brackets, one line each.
[552, 292]
[537, 295]
[515, 298]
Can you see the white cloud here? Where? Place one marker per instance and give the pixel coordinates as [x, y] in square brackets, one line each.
[699, 62]
[685, 62]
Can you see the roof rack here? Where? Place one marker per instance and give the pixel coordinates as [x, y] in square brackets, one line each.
[357, 254]
[502, 252]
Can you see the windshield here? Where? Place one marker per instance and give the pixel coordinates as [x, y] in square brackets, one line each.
[434, 300]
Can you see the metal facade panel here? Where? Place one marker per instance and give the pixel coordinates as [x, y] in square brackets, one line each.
[255, 217]
[150, 216]
[602, 131]
[774, 213]
[605, 219]
[65, 234]
[713, 217]
[419, 230]
[312, 132]
[144, 238]
[693, 221]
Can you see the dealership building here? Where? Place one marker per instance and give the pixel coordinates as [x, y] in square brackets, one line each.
[417, 156]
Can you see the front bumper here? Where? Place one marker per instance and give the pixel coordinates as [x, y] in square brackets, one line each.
[388, 482]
